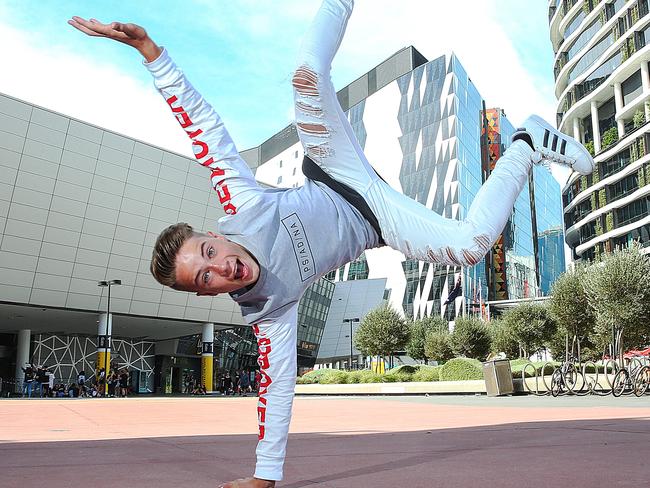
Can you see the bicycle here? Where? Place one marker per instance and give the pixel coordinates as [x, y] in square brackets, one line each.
[632, 379]
[568, 378]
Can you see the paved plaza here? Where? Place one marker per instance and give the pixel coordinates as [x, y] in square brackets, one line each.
[427, 442]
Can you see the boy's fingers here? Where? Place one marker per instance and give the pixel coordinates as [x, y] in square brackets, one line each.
[80, 27]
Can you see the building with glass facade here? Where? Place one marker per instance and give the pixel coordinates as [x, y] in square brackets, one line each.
[602, 84]
[80, 204]
[421, 124]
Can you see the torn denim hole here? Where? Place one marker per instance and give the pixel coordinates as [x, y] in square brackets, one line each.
[318, 130]
[318, 151]
[305, 81]
[308, 109]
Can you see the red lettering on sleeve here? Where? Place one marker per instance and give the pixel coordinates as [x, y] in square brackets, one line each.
[174, 99]
[264, 348]
[183, 119]
[223, 192]
[217, 172]
[203, 152]
[194, 134]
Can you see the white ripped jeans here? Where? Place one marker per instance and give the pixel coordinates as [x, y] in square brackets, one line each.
[406, 225]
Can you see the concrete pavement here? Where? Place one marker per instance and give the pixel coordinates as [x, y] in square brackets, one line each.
[335, 442]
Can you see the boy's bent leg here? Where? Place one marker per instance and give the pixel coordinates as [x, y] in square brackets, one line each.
[323, 128]
[420, 233]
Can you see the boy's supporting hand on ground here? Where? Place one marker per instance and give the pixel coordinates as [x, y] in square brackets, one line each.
[249, 483]
[130, 34]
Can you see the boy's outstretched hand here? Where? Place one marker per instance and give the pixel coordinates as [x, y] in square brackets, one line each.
[130, 34]
[249, 483]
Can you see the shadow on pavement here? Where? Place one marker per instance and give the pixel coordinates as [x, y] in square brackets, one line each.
[575, 454]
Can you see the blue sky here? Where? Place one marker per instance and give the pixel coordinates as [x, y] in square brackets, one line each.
[240, 54]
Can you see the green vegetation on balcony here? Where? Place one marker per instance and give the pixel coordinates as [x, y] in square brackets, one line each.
[609, 221]
[599, 227]
[602, 198]
[639, 118]
[610, 137]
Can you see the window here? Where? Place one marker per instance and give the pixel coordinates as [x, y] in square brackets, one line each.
[295, 155]
[588, 231]
[615, 163]
[586, 36]
[632, 212]
[598, 76]
[632, 87]
[591, 56]
[280, 163]
[294, 172]
[279, 179]
[623, 187]
[573, 25]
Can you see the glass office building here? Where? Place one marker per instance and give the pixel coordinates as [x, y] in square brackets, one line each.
[421, 125]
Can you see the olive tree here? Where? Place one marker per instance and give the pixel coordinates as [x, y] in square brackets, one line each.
[381, 332]
[504, 338]
[618, 290]
[470, 338]
[569, 307]
[532, 325]
[420, 329]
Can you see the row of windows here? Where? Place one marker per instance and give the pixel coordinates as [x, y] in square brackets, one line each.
[608, 167]
[640, 235]
[617, 190]
[627, 214]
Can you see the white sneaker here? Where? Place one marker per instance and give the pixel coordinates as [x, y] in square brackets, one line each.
[551, 146]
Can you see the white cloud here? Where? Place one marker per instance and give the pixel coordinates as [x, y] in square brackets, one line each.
[473, 30]
[90, 90]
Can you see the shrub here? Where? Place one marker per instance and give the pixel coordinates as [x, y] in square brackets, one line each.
[461, 369]
[404, 369]
[438, 346]
[416, 348]
[589, 145]
[532, 325]
[504, 338]
[337, 377]
[427, 373]
[317, 376]
[368, 376]
[517, 366]
[470, 338]
[355, 377]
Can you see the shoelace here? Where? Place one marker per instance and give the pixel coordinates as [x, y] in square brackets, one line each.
[543, 155]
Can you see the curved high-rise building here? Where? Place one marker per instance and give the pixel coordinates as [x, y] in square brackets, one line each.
[602, 83]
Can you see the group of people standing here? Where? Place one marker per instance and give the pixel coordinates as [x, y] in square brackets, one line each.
[118, 383]
[40, 381]
[239, 383]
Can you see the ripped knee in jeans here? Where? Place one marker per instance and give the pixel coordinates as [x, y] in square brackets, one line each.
[305, 81]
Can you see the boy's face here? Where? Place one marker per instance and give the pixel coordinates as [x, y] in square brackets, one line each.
[209, 264]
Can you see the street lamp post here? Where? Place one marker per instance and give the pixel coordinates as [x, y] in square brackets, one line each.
[106, 338]
[350, 321]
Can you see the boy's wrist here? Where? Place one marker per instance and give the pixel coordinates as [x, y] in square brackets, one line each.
[149, 50]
